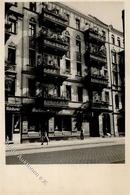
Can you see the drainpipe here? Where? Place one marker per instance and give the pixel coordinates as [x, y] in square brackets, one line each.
[22, 70]
[111, 83]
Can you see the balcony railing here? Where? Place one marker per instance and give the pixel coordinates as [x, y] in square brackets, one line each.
[13, 101]
[53, 101]
[28, 69]
[51, 18]
[10, 68]
[98, 58]
[95, 35]
[53, 42]
[99, 79]
[99, 105]
[96, 80]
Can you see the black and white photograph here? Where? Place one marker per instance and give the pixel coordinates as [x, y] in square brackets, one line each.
[64, 83]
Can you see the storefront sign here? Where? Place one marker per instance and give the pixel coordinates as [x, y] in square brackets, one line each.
[66, 112]
[13, 109]
[38, 110]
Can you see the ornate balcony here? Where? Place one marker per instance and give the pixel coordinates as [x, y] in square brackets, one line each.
[53, 101]
[52, 43]
[50, 74]
[99, 105]
[28, 69]
[96, 81]
[51, 18]
[94, 36]
[14, 100]
[96, 57]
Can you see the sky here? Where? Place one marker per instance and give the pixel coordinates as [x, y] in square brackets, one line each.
[108, 12]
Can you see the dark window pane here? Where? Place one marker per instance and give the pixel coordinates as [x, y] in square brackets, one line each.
[11, 55]
[80, 94]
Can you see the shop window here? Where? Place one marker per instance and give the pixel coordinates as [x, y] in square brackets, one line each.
[12, 56]
[77, 24]
[32, 6]
[68, 68]
[80, 94]
[32, 57]
[68, 91]
[31, 88]
[79, 69]
[117, 101]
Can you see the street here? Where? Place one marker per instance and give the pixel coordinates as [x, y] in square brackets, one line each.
[93, 155]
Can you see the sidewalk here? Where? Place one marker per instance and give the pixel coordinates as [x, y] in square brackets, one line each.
[87, 142]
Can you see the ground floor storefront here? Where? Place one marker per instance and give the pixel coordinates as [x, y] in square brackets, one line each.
[26, 126]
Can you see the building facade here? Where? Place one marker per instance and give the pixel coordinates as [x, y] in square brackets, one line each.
[61, 73]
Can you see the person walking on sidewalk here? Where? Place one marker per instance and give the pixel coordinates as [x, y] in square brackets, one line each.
[82, 134]
[44, 137]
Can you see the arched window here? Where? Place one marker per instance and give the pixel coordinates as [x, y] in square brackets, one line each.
[118, 42]
[117, 101]
[78, 37]
[113, 39]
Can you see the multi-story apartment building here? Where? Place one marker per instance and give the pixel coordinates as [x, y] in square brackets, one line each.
[60, 66]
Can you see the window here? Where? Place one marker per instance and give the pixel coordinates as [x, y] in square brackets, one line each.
[80, 94]
[68, 68]
[32, 29]
[31, 88]
[117, 101]
[12, 55]
[68, 92]
[113, 39]
[103, 33]
[10, 86]
[68, 18]
[118, 42]
[114, 57]
[32, 6]
[32, 57]
[67, 35]
[107, 96]
[78, 24]
[115, 78]
[13, 25]
[78, 46]
[79, 69]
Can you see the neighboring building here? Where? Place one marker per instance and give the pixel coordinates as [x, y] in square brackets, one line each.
[59, 62]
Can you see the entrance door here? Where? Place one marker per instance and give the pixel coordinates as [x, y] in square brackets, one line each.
[94, 126]
[66, 125]
[106, 124]
[8, 127]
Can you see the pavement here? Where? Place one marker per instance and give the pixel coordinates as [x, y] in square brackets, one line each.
[28, 148]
